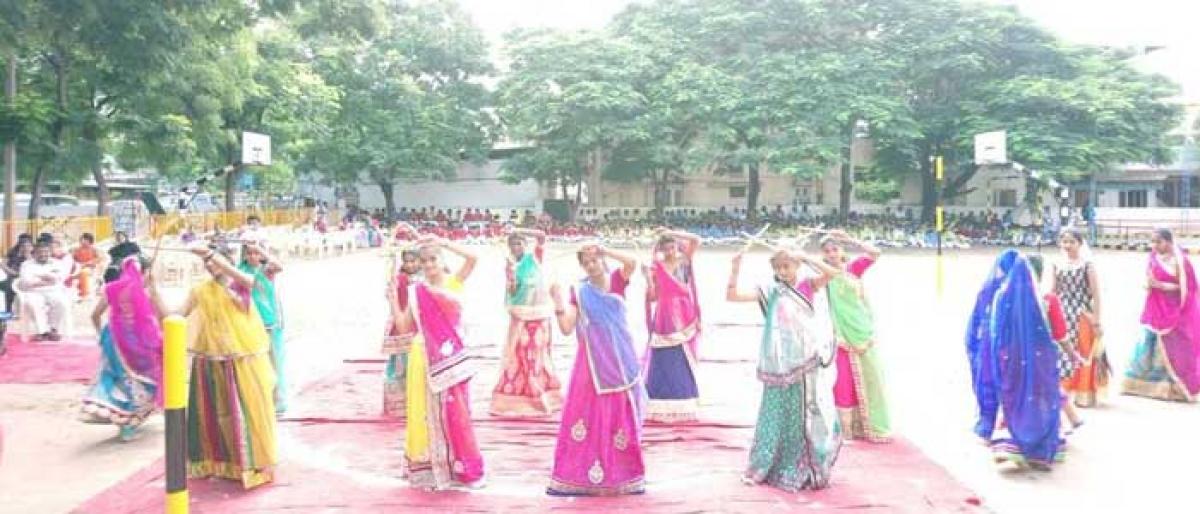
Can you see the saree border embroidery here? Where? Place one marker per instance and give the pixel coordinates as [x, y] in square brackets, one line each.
[635, 486]
[451, 371]
[676, 338]
[1172, 390]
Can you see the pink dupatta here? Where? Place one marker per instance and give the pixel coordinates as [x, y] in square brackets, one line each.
[439, 313]
[134, 325]
[675, 315]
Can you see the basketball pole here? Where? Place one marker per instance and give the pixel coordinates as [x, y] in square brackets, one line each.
[939, 175]
[175, 394]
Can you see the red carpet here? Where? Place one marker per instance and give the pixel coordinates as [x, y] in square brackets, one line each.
[339, 455]
[71, 360]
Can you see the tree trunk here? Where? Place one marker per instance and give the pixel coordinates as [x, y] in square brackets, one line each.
[231, 188]
[847, 187]
[753, 185]
[389, 200]
[35, 191]
[101, 189]
[660, 191]
[562, 185]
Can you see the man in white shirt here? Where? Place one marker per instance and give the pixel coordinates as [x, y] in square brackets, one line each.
[44, 294]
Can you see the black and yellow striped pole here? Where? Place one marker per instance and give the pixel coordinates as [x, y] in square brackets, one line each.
[939, 216]
[175, 396]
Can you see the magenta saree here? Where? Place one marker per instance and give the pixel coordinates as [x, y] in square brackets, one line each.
[1166, 363]
[598, 452]
[451, 456]
[674, 323]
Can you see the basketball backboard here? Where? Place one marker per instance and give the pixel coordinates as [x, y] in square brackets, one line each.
[256, 149]
[991, 148]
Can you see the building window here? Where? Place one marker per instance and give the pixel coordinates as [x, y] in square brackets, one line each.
[676, 197]
[1005, 198]
[1133, 198]
[737, 192]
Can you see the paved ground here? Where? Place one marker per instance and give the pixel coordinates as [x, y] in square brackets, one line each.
[1123, 458]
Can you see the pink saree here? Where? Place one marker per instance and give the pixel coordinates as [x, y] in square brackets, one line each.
[454, 457]
[599, 452]
[1166, 363]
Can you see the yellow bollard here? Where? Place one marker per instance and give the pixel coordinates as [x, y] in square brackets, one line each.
[175, 396]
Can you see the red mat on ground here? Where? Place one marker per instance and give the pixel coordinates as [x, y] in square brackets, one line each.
[71, 360]
[338, 454]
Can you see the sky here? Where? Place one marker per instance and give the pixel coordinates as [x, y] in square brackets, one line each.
[1173, 24]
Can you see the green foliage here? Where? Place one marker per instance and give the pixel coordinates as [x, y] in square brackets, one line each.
[411, 102]
[392, 90]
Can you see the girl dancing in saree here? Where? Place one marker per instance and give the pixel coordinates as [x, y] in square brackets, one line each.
[126, 390]
[1166, 363]
[797, 437]
[859, 391]
[396, 345]
[231, 406]
[1014, 366]
[673, 317]
[1076, 284]
[439, 450]
[257, 264]
[528, 386]
[599, 449]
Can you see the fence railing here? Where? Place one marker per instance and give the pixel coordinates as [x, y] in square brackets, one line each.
[101, 228]
[154, 226]
[170, 224]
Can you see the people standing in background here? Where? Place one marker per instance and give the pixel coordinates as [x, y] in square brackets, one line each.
[42, 283]
[1166, 362]
[673, 318]
[1078, 286]
[528, 385]
[88, 259]
[17, 255]
[859, 391]
[123, 248]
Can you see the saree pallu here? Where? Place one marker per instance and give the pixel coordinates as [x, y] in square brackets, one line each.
[440, 447]
[1014, 365]
[797, 437]
[598, 452]
[859, 391]
[231, 407]
[1166, 364]
[674, 322]
[120, 396]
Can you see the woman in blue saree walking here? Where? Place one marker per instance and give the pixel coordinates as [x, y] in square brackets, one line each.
[797, 437]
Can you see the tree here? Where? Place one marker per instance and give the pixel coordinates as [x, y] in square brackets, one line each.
[572, 97]
[256, 77]
[411, 104]
[972, 68]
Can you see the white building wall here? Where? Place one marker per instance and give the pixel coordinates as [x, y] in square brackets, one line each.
[472, 186]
